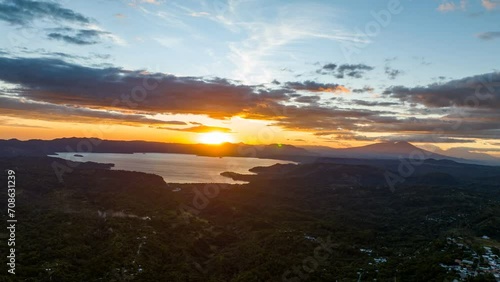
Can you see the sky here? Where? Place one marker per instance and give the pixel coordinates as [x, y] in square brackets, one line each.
[330, 73]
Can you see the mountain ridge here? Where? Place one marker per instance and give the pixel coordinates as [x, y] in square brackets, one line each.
[384, 150]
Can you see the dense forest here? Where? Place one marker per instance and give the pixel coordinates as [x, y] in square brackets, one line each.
[313, 222]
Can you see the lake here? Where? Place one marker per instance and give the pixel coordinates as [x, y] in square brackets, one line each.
[176, 168]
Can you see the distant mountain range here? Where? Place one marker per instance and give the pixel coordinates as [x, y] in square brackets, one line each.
[395, 150]
[386, 150]
[14, 147]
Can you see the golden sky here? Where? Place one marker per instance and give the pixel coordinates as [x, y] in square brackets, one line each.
[313, 73]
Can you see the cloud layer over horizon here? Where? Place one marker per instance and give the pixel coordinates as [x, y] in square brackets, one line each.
[52, 89]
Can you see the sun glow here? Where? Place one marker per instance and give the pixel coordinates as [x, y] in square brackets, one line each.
[215, 138]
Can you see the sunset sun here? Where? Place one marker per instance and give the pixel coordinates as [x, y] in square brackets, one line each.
[215, 138]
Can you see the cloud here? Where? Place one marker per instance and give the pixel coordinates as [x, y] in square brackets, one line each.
[424, 138]
[59, 82]
[14, 124]
[490, 4]
[341, 71]
[317, 87]
[168, 42]
[24, 108]
[447, 6]
[319, 118]
[200, 129]
[457, 93]
[137, 2]
[488, 35]
[53, 89]
[371, 103]
[175, 122]
[24, 12]
[329, 67]
[413, 138]
[392, 73]
[156, 2]
[470, 149]
[78, 36]
[94, 58]
[267, 38]
[307, 99]
[365, 89]
[199, 14]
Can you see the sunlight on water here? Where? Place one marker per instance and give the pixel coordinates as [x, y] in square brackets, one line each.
[176, 168]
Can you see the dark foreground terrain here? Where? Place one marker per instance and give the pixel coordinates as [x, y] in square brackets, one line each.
[326, 221]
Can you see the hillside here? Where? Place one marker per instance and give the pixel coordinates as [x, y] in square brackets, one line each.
[106, 225]
[386, 150]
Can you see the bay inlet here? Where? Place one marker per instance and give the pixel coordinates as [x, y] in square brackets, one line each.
[176, 168]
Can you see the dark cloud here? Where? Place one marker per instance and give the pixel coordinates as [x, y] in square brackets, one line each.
[307, 99]
[52, 89]
[329, 67]
[23, 12]
[355, 71]
[22, 108]
[341, 71]
[343, 135]
[60, 55]
[316, 86]
[77, 36]
[59, 82]
[319, 118]
[481, 91]
[102, 56]
[392, 73]
[373, 103]
[200, 129]
[175, 122]
[414, 138]
[424, 138]
[366, 89]
[489, 35]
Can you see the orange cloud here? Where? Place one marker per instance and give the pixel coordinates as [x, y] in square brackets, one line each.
[490, 4]
[338, 89]
[451, 6]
